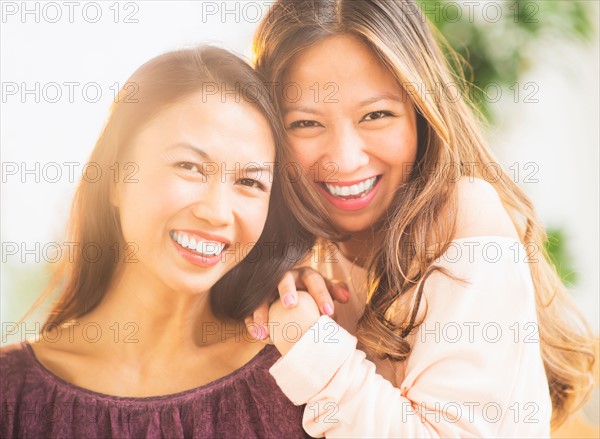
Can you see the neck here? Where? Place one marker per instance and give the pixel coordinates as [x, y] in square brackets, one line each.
[359, 247]
[142, 318]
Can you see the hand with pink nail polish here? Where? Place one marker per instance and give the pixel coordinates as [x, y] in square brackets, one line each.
[287, 325]
[323, 291]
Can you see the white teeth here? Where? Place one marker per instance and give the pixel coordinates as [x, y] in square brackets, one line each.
[208, 248]
[356, 189]
[202, 247]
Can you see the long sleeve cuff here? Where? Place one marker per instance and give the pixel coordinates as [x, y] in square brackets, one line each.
[311, 363]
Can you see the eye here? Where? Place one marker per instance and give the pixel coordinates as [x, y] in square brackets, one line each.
[377, 115]
[249, 182]
[305, 124]
[189, 166]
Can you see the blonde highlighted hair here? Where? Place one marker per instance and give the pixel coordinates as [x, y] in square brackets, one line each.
[449, 137]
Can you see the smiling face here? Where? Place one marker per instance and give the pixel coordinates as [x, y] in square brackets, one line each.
[198, 203]
[353, 129]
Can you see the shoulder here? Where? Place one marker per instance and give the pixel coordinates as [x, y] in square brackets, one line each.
[480, 211]
[16, 363]
[486, 257]
[14, 357]
[488, 264]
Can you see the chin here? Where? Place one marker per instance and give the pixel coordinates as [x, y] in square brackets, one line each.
[355, 223]
[352, 226]
[193, 287]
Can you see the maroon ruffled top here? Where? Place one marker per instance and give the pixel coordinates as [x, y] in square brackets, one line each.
[247, 403]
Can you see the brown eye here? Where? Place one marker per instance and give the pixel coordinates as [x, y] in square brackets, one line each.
[191, 170]
[189, 166]
[377, 115]
[252, 183]
[305, 124]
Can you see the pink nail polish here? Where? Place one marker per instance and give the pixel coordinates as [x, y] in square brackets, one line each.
[328, 309]
[253, 333]
[261, 333]
[289, 300]
[346, 293]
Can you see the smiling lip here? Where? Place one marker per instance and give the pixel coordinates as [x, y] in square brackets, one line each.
[205, 236]
[347, 183]
[196, 258]
[352, 204]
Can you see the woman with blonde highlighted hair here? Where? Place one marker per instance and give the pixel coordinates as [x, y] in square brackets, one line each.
[452, 297]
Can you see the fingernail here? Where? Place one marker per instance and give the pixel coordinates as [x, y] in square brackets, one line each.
[289, 300]
[328, 309]
[261, 333]
[253, 333]
[346, 293]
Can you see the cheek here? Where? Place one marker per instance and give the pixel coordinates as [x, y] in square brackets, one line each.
[146, 205]
[251, 218]
[305, 151]
[397, 148]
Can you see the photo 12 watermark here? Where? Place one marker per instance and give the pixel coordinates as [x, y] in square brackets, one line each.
[491, 12]
[69, 12]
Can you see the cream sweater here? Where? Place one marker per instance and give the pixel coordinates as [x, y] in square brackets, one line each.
[475, 369]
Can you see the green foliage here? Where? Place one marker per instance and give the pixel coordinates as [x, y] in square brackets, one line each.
[498, 38]
[21, 285]
[558, 253]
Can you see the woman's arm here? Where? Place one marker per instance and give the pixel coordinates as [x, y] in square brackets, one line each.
[323, 291]
[475, 368]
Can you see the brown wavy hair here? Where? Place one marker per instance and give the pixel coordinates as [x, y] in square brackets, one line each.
[449, 137]
[290, 227]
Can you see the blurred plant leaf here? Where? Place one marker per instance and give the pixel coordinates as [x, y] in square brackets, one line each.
[557, 250]
[498, 38]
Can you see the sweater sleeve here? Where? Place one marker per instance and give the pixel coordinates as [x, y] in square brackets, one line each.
[475, 367]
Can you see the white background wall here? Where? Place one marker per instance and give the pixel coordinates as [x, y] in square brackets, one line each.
[560, 136]
[560, 133]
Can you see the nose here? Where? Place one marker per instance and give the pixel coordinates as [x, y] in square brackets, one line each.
[347, 151]
[214, 205]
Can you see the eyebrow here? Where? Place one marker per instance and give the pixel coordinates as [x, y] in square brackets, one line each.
[302, 109]
[371, 100]
[256, 168]
[381, 97]
[193, 148]
[206, 157]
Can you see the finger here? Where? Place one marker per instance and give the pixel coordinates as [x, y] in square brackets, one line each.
[249, 322]
[251, 327]
[257, 324]
[287, 290]
[317, 288]
[338, 290]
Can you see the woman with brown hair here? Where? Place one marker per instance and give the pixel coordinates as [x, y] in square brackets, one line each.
[171, 253]
[453, 298]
